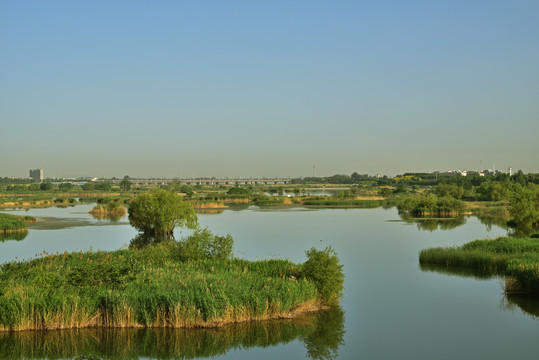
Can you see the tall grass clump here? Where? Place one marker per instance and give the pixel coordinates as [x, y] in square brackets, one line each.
[189, 283]
[515, 258]
[324, 269]
[14, 223]
[430, 205]
[336, 202]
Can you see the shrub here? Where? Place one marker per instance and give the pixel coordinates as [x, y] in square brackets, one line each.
[202, 244]
[323, 268]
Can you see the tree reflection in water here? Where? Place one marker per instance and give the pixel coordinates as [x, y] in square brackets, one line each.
[321, 332]
[19, 235]
[529, 305]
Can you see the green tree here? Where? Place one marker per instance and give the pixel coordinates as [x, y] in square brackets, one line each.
[324, 269]
[492, 191]
[157, 213]
[46, 186]
[34, 187]
[88, 186]
[524, 208]
[452, 190]
[125, 184]
[105, 186]
[202, 244]
[65, 186]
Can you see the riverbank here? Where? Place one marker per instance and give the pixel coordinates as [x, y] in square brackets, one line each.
[14, 223]
[517, 259]
[149, 288]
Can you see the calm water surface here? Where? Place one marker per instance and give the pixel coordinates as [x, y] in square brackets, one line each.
[391, 308]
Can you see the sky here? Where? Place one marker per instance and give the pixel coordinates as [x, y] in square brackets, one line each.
[267, 88]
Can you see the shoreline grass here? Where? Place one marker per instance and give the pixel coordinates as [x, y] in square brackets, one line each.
[517, 259]
[14, 223]
[149, 288]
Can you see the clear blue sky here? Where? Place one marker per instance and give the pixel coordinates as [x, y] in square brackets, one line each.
[267, 88]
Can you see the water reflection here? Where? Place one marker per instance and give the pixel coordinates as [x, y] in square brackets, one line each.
[527, 304]
[497, 220]
[20, 235]
[114, 217]
[143, 240]
[209, 211]
[321, 333]
[457, 271]
[432, 224]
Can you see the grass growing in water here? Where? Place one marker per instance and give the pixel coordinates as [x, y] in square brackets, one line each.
[14, 223]
[515, 258]
[150, 287]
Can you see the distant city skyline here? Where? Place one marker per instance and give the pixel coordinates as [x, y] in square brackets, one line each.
[508, 170]
[253, 89]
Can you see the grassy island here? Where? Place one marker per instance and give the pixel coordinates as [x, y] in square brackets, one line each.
[112, 209]
[157, 287]
[515, 258]
[14, 223]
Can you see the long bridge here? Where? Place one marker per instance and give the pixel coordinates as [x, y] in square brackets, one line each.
[205, 181]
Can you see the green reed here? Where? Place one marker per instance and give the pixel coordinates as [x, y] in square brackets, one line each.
[148, 287]
[515, 258]
[11, 223]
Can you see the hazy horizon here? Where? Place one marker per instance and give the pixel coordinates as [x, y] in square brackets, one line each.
[255, 89]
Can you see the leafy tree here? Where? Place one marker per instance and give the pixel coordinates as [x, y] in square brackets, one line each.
[65, 186]
[157, 213]
[452, 190]
[238, 191]
[46, 186]
[524, 208]
[88, 186]
[105, 186]
[187, 190]
[492, 191]
[324, 269]
[34, 187]
[202, 244]
[125, 184]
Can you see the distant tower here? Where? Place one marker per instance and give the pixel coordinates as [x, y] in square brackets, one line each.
[510, 171]
[36, 174]
[314, 170]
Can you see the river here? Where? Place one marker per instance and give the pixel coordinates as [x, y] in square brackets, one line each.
[390, 309]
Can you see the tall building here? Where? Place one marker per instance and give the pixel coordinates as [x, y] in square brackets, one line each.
[36, 174]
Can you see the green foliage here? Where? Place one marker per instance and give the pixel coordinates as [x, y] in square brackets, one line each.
[88, 186]
[103, 186]
[45, 186]
[493, 191]
[324, 269]
[321, 332]
[145, 287]
[157, 213]
[11, 223]
[34, 187]
[125, 184]
[238, 191]
[429, 204]
[516, 258]
[449, 190]
[65, 186]
[524, 208]
[202, 244]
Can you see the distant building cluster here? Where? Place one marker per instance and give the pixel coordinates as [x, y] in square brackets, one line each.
[36, 174]
[473, 172]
